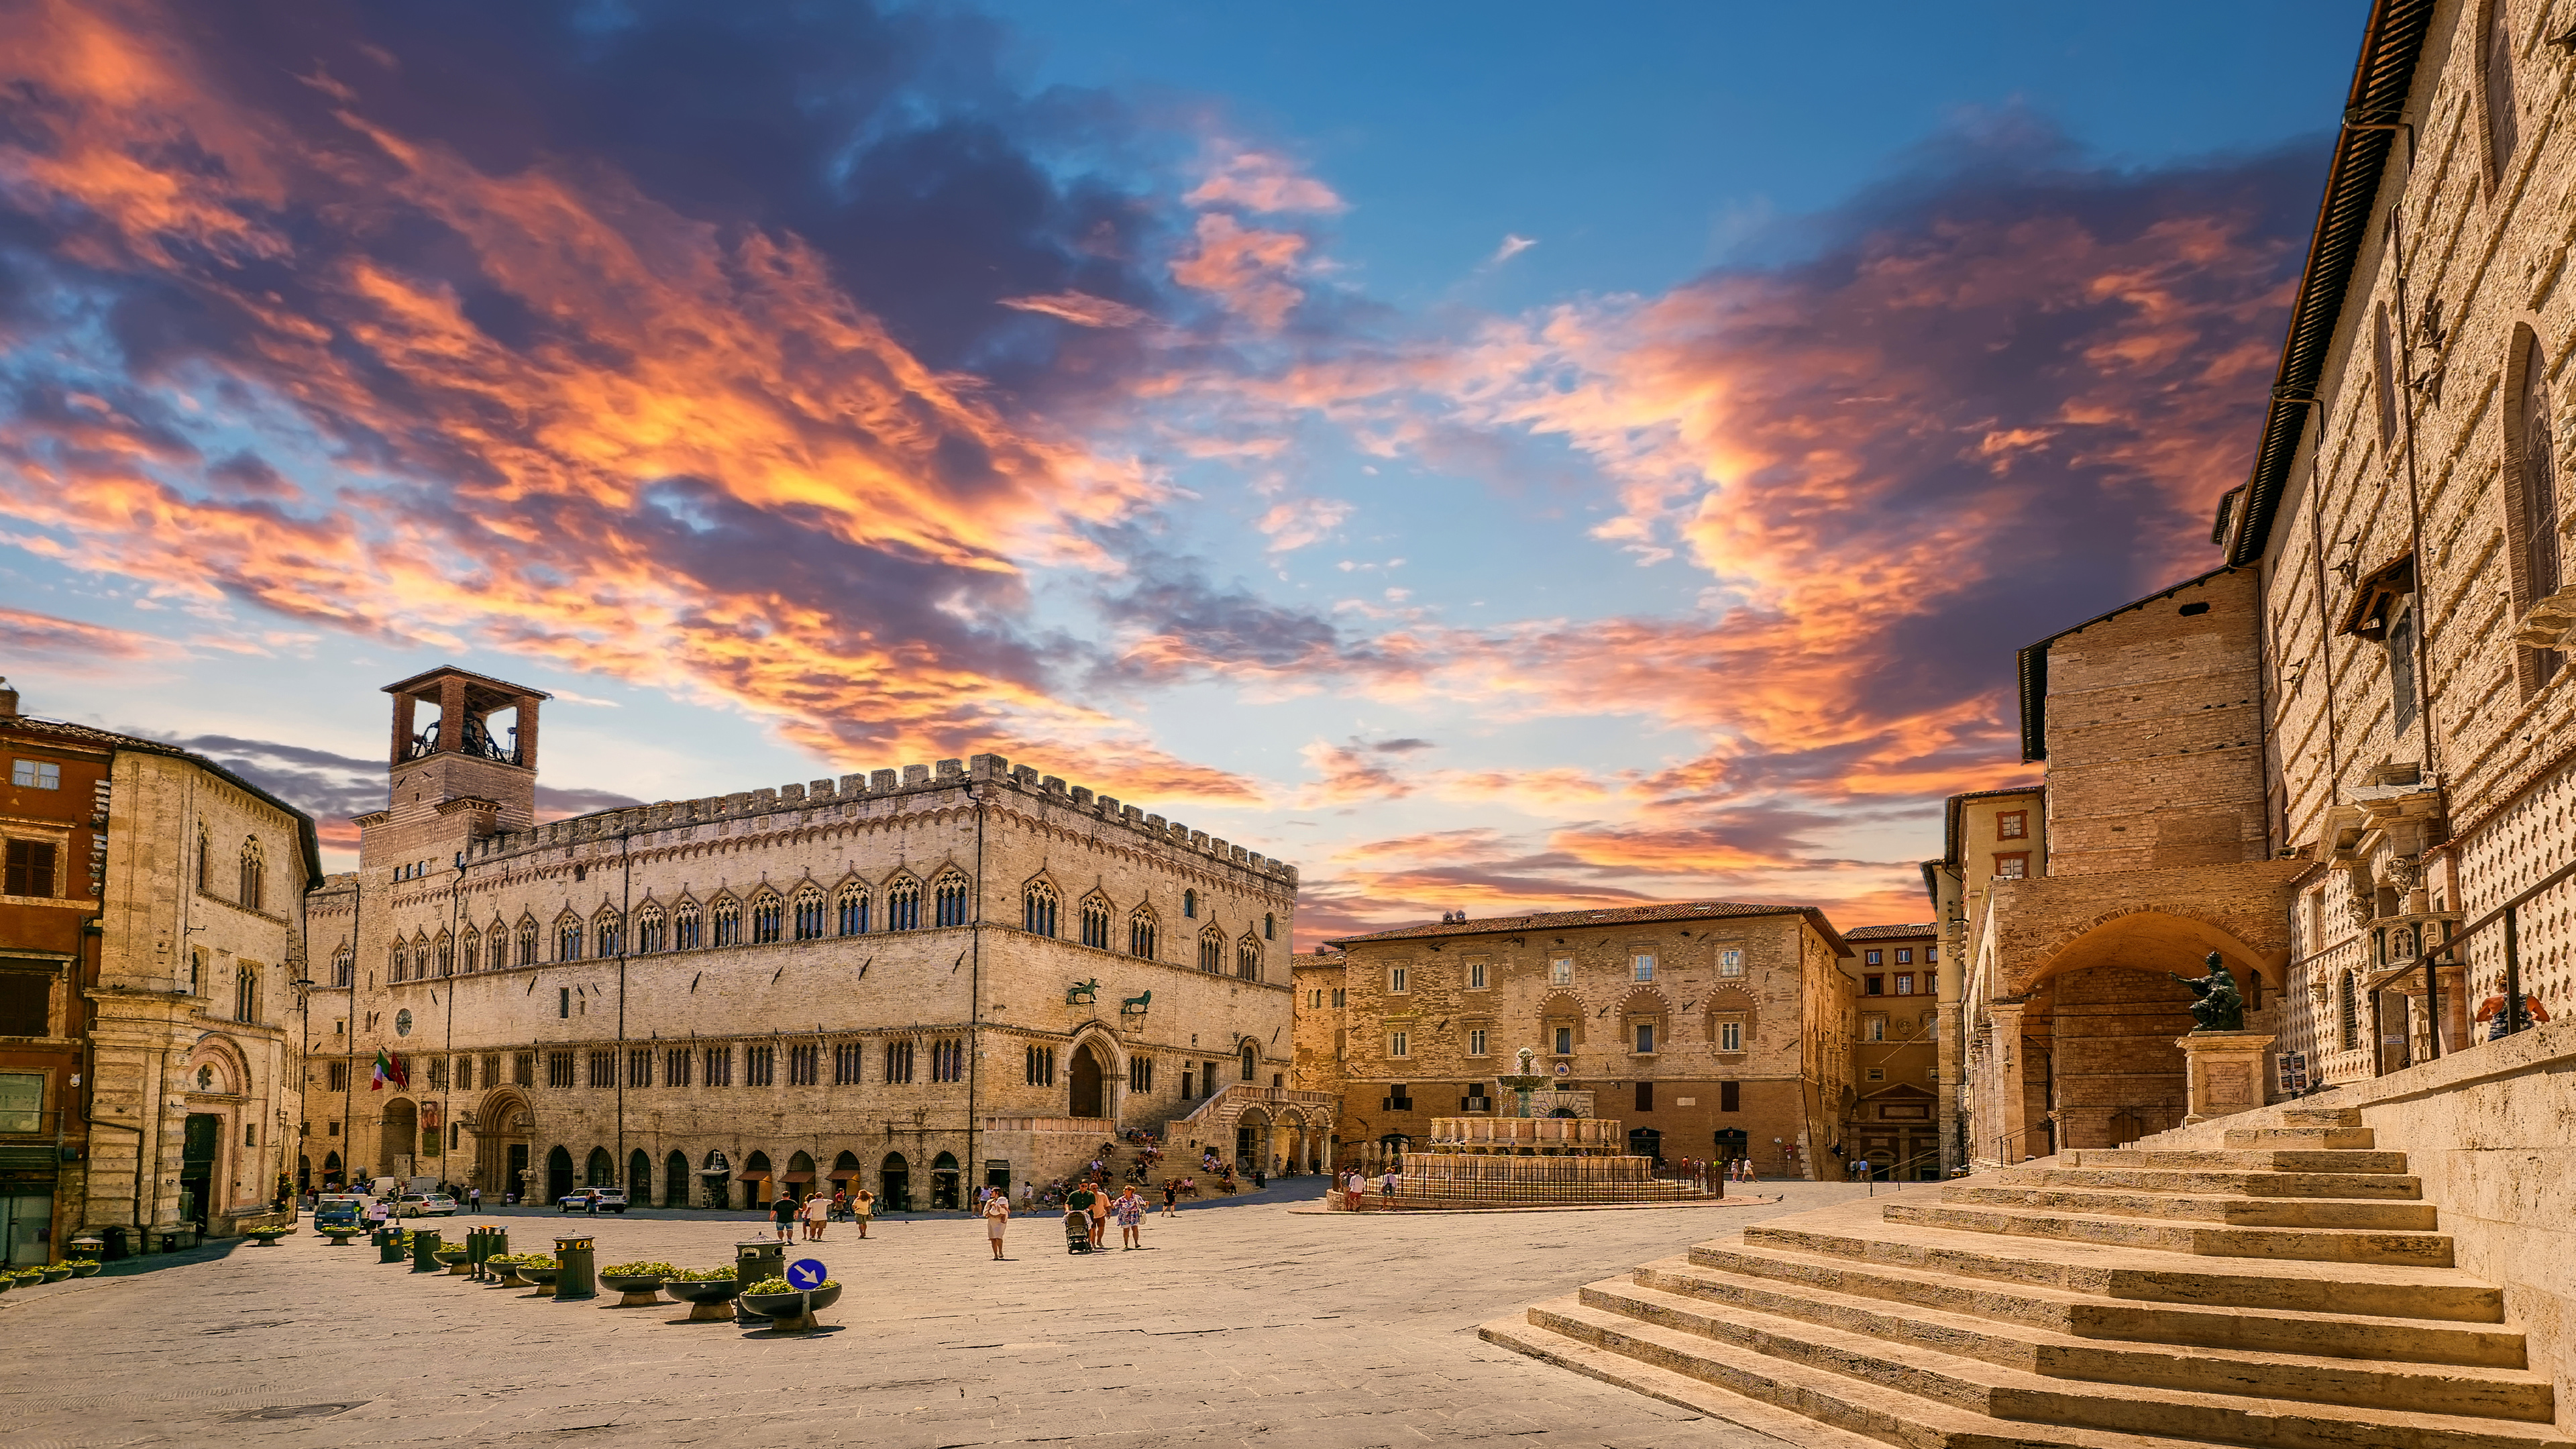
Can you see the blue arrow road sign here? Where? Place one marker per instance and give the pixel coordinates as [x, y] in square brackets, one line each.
[807, 1274]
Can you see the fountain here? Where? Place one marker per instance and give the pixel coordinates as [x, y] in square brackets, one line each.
[1526, 1161]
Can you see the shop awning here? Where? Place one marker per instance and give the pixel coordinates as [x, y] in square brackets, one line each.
[796, 1177]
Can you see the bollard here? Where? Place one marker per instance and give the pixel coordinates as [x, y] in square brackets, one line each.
[424, 1249]
[579, 1277]
[474, 1254]
[496, 1244]
[753, 1260]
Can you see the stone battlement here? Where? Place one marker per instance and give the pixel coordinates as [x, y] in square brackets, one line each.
[877, 785]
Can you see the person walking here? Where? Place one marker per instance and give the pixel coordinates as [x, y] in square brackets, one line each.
[782, 1214]
[1131, 1219]
[1079, 1201]
[1099, 1213]
[997, 1216]
[818, 1211]
[863, 1205]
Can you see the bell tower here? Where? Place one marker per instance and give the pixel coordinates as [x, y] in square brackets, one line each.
[460, 776]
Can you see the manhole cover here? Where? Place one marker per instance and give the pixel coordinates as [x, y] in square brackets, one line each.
[290, 1411]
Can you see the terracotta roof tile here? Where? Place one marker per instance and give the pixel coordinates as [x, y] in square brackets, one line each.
[1605, 916]
[1884, 933]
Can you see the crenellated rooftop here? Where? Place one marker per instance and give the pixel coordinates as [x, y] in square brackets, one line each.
[877, 785]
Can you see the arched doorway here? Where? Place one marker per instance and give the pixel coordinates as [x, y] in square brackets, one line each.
[717, 1174]
[1087, 1078]
[200, 1149]
[845, 1172]
[894, 1184]
[639, 1178]
[1646, 1142]
[800, 1174]
[558, 1174]
[756, 1176]
[599, 1169]
[943, 1181]
[400, 1137]
[500, 1128]
[331, 1178]
[675, 1180]
[1251, 1132]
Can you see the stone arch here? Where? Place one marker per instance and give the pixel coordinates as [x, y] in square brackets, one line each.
[398, 1136]
[768, 912]
[903, 893]
[1562, 1011]
[675, 1179]
[639, 1178]
[501, 1126]
[559, 1182]
[724, 919]
[599, 1169]
[1040, 905]
[1091, 1069]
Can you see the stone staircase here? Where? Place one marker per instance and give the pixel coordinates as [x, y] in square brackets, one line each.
[2291, 1291]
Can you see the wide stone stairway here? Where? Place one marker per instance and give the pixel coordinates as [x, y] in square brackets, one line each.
[2292, 1291]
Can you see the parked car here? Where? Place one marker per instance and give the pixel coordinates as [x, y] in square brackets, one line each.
[610, 1200]
[339, 1209]
[425, 1205]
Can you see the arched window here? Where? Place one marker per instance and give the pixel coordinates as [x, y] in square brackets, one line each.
[809, 913]
[950, 895]
[205, 861]
[1190, 904]
[2495, 55]
[1212, 951]
[446, 955]
[1247, 959]
[398, 964]
[853, 910]
[527, 941]
[903, 906]
[496, 944]
[1269, 926]
[724, 922]
[2347, 1010]
[607, 934]
[245, 995]
[469, 951]
[419, 956]
[768, 914]
[1095, 923]
[651, 930]
[687, 926]
[1140, 936]
[344, 965]
[254, 875]
[2531, 498]
[568, 939]
[1251, 1061]
[1037, 909]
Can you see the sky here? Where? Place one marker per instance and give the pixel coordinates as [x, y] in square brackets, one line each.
[1498, 458]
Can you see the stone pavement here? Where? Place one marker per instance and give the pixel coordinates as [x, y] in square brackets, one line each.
[1238, 1322]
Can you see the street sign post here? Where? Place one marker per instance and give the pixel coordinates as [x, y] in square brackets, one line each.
[805, 1275]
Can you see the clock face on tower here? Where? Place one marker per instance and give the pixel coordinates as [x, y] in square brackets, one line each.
[402, 1023]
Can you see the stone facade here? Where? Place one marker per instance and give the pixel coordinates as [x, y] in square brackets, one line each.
[1988, 835]
[915, 981]
[151, 967]
[1896, 1051]
[1713, 1029]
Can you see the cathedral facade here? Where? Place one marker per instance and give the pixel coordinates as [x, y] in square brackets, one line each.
[915, 981]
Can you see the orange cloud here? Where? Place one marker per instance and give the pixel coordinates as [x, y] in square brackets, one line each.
[1245, 268]
[1263, 181]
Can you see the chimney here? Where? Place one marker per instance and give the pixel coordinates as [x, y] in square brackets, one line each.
[8, 701]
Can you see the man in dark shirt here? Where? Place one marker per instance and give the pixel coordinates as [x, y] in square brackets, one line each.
[1081, 1200]
[782, 1215]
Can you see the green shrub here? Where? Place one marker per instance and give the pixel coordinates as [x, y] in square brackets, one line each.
[640, 1270]
[704, 1275]
[781, 1285]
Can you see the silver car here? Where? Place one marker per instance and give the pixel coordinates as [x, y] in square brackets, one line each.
[425, 1205]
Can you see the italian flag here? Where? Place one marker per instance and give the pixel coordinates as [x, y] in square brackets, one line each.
[388, 1069]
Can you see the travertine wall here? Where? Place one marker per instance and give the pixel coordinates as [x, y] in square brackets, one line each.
[998, 1055]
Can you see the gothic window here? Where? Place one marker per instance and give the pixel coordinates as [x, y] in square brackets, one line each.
[465, 1074]
[1212, 951]
[344, 966]
[2495, 55]
[527, 941]
[245, 995]
[724, 925]
[675, 1066]
[801, 1064]
[639, 1068]
[853, 905]
[950, 895]
[651, 930]
[809, 913]
[568, 939]
[254, 875]
[1041, 1066]
[2531, 496]
[2401, 668]
[607, 935]
[446, 954]
[398, 967]
[1247, 959]
[767, 917]
[903, 906]
[685, 926]
[205, 861]
[1140, 936]
[419, 957]
[846, 1061]
[760, 1066]
[1269, 926]
[1190, 904]
[469, 951]
[1037, 909]
[1251, 1061]
[948, 1061]
[898, 1063]
[720, 1066]
[1095, 923]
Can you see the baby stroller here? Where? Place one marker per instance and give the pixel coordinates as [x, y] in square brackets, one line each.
[1077, 1232]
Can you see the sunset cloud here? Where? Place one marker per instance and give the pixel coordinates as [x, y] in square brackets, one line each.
[1262, 181]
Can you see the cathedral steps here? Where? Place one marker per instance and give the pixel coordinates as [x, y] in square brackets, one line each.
[2377, 1164]
[1988, 1315]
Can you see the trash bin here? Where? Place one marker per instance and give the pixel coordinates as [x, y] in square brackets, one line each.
[754, 1260]
[578, 1277]
[116, 1246]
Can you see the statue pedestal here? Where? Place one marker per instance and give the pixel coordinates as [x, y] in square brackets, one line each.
[2223, 1073]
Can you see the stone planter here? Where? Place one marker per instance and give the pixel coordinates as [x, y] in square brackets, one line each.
[710, 1300]
[790, 1312]
[508, 1274]
[633, 1290]
[541, 1277]
[458, 1264]
[56, 1275]
[86, 1267]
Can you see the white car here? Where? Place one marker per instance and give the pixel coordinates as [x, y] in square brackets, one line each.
[425, 1205]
